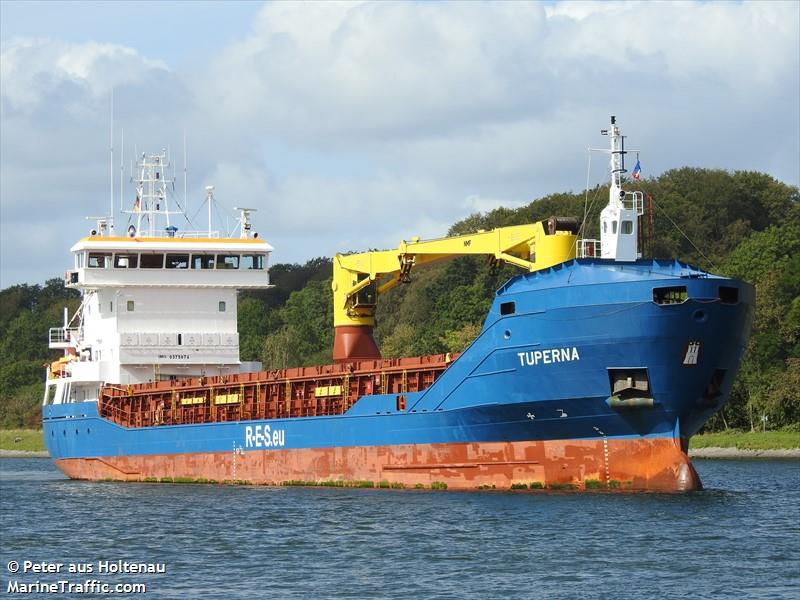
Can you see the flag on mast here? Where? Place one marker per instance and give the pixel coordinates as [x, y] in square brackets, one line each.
[637, 171]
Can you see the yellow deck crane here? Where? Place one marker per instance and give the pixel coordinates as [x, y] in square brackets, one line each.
[358, 279]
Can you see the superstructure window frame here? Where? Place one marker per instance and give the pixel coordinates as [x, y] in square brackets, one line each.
[177, 261]
[202, 261]
[228, 262]
[147, 260]
[131, 260]
[253, 262]
[101, 260]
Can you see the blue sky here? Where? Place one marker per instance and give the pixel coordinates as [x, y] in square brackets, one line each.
[352, 125]
[181, 32]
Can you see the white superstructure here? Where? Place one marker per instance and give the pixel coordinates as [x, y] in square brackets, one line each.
[619, 220]
[154, 307]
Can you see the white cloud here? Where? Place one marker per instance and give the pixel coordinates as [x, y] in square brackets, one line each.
[403, 69]
[376, 68]
[353, 125]
[33, 69]
[333, 213]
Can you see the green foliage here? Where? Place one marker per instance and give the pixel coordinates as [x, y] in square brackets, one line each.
[770, 375]
[458, 340]
[16, 375]
[26, 314]
[254, 320]
[305, 336]
[22, 407]
[400, 342]
[261, 317]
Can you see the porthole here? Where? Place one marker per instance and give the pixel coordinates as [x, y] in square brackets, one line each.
[507, 334]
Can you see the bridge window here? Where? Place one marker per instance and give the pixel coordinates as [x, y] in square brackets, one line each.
[126, 261]
[152, 261]
[130, 305]
[614, 226]
[253, 261]
[202, 261]
[99, 260]
[228, 261]
[222, 306]
[627, 227]
[508, 308]
[177, 261]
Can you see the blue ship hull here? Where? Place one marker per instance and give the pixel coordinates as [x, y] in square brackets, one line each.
[538, 399]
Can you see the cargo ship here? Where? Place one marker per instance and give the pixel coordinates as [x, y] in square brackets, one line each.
[592, 370]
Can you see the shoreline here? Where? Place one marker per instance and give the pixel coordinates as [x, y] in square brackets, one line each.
[24, 453]
[715, 452]
[710, 452]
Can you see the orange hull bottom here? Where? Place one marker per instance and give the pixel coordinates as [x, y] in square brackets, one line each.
[656, 464]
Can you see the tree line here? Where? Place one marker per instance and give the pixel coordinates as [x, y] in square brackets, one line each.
[742, 224]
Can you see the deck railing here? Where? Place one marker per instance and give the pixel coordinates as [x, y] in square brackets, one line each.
[63, 336]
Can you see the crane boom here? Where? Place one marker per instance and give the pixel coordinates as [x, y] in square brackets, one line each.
[358, 279]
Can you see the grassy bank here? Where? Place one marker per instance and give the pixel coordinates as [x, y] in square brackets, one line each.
[29, 440]
[747, 440]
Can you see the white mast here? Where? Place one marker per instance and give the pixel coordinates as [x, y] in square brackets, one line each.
[619, 220]
[121, 166]
[210, 200]
[151, 195]
[244, 222]
[111, 170]
[185, 194]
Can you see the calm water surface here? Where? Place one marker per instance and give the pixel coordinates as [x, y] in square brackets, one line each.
[738, 538]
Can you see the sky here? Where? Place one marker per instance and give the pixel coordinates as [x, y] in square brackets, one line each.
[353, 125]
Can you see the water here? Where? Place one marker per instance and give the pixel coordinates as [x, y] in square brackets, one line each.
[738, 538]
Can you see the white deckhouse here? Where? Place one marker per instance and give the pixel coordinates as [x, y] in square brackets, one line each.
[154, 306]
